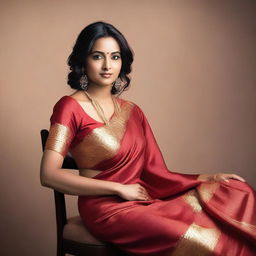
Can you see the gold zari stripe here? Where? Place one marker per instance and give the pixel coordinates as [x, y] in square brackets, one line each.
[103, 142]
[58, 138]
[197, 241]
[242, 224]
[191, 197]
[207, 190]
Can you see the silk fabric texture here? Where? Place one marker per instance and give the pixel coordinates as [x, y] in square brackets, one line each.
[184, 215]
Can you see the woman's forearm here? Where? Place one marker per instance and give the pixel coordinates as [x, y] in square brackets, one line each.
[69, 183]
[219, 177]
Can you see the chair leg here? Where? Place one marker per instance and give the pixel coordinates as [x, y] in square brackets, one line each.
[60, 250]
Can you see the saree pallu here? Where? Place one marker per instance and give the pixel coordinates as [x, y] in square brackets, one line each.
[184, 215]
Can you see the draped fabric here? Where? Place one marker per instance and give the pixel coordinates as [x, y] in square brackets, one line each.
[184, 215]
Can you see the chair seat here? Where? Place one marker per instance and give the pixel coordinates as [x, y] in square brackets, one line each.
[76, 231]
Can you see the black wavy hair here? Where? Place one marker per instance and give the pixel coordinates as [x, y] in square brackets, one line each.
[82, 49]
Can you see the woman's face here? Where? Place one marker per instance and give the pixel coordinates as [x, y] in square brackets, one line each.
[105, 57]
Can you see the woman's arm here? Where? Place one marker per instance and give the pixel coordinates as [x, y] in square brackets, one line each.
[53, 176]
[219, 177]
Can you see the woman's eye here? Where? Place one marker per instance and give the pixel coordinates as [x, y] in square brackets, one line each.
[116, 57]
[96, 57]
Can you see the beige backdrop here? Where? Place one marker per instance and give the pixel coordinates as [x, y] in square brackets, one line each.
[194, 77]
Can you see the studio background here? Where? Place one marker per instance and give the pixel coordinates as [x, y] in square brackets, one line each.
[193, 75]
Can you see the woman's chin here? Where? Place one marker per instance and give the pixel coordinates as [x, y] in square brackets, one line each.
[104, 83]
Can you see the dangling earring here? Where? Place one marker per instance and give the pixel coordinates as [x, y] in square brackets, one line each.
[84, 82]
[117, 84]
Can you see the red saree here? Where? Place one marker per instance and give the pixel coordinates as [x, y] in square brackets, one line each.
[184, 217]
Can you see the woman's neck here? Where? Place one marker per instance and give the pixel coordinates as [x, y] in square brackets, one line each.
[100, 93]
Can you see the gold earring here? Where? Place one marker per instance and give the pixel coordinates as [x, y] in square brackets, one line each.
[84, 82]
[117, 84]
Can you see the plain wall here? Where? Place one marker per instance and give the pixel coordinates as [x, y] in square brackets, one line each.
[193, 75]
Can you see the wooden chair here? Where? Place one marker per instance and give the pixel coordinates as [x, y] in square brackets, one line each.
[72, 236]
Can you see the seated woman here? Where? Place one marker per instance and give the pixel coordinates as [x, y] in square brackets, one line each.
[127, 195]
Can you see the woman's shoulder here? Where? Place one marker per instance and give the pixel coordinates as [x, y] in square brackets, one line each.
[66, 111]
[66, 104]
[64, 101]
[71, 99]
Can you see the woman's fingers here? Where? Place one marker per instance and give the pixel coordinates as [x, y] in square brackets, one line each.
[222, 177]
[134, 192]
[143, 193]
[143, 197]
[237, 177]
[226, 176]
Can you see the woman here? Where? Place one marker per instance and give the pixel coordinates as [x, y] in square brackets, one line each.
[127, 195]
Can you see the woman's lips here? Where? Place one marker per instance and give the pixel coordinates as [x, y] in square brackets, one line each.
[106, 75]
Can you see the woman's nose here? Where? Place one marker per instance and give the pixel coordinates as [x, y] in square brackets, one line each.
[106, 64]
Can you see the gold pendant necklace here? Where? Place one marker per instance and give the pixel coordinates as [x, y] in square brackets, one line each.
[99, 109]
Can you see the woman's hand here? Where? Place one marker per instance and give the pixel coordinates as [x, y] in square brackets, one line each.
[133, 192]
[219, 177]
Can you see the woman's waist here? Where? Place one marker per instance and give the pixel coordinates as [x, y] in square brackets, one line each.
[121, 175]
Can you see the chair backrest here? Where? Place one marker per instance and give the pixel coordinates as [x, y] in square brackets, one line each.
[59, 198]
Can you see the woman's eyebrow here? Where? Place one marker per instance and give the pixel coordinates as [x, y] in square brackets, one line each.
[104, 53]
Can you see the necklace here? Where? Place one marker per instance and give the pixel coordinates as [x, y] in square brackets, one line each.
[99, 109]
